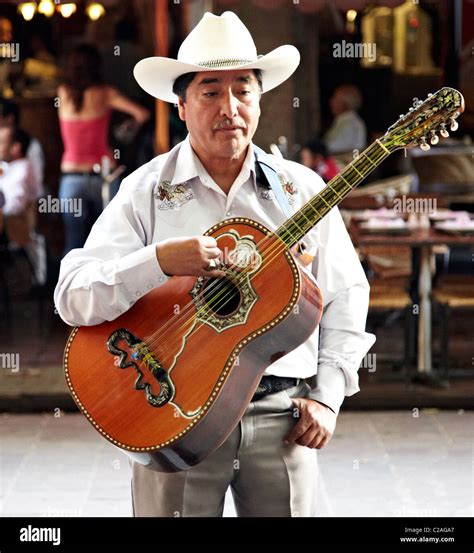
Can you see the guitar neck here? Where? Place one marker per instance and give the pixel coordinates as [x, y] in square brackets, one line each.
[294, 228]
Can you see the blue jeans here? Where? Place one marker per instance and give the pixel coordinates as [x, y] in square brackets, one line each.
[79, 214]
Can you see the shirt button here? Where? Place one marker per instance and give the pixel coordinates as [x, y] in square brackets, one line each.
[138, 294]
[150, 286]
[229, 213]
[161, 279]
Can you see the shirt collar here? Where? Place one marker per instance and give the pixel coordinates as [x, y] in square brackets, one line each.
[188, 166]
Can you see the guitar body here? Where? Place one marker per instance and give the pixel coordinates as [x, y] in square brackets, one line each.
[169, 380]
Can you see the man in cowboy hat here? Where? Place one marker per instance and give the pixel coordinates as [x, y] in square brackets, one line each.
[153, 229]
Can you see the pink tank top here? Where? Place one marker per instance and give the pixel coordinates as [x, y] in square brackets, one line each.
[85, 141]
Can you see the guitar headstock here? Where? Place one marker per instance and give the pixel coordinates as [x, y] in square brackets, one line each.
[419, 126]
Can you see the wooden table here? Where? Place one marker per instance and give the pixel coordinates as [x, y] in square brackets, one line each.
[421, 241]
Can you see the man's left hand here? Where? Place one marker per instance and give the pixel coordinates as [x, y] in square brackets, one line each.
[315, 426]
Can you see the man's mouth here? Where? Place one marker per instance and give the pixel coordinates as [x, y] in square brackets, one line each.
[229, 128]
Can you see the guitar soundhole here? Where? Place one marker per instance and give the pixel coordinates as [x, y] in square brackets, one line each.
[222, 296]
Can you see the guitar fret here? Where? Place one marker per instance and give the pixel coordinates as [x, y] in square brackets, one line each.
[335, 191]
[369, 159]
[355, 169]
[382, 146]
[322, 198]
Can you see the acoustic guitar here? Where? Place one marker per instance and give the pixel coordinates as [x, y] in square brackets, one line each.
[169, 380]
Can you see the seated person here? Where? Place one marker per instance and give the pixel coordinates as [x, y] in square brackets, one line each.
[17, 183]
[315, 156]
[10, 117]
[348, 131]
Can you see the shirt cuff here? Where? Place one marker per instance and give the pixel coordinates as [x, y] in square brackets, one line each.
[330, 389]
[140, 271]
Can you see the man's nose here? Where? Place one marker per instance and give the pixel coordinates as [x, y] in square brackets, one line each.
[229, 105]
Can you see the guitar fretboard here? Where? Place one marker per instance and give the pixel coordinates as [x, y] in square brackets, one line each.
[294, 228]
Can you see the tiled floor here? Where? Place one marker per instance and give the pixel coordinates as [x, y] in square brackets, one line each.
[378, 464]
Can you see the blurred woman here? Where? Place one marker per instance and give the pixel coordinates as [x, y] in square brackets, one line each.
[85, 105]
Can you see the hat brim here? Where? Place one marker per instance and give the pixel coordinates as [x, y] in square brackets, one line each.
[156, 75]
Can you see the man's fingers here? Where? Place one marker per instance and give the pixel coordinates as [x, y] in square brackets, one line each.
[317, 441]
[213, 274]
[308, 437]
[297, 431]
[212, 253]
[208, 241]
[324, 441]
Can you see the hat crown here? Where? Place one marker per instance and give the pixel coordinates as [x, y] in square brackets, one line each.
[218, 38]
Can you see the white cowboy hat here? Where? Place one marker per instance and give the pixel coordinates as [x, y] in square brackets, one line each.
[217, 43]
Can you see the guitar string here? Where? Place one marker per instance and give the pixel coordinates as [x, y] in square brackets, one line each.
[384, 152]
[276, 247]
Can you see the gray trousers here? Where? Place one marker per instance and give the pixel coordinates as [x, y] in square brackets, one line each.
[268, 478]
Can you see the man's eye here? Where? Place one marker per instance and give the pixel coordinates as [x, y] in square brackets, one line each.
[209, 94]
[246, 92]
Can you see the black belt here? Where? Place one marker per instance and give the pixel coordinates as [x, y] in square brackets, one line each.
[270, 384]
[80, 173]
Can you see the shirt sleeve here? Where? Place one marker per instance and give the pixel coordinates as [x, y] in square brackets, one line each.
[16, 190]
[36, 156]
[117, 264]
[345, 290]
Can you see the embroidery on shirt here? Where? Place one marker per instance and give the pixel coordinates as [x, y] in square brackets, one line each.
[288, 188]
[170, 196]
[266, 194]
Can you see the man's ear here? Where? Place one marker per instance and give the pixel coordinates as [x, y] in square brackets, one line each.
[181, 109]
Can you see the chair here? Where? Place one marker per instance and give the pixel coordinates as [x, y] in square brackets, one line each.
[452, 292]
[390, 295]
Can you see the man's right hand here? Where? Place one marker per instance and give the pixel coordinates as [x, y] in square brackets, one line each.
[188, 256]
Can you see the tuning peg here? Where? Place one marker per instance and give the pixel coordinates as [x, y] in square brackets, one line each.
[424, 145]
[454, 124]
[443, 132]
[434, 138]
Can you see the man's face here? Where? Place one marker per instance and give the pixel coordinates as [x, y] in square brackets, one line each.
[5, 30]
[5, 144]
[221, 111]
[337, 103]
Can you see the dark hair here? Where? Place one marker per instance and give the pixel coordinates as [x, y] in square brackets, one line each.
[183, 81]
[317, 146]
[22, 137]
[83, 70]
[7, 107]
